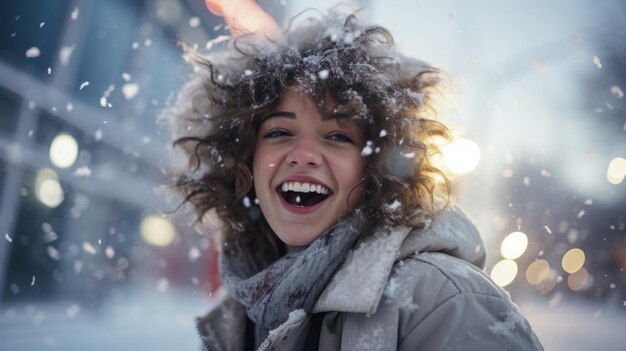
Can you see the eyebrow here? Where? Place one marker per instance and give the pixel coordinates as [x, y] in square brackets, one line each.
[336, 115]
[278, 114]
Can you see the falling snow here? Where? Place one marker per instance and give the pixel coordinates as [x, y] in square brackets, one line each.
[163, 284]
[75, 13]
[368, 149]
[104, 100]
[97, 135]
[194, 22]
[83, 171]
[246, 202]
[596, 61]
[72, 311]
[53, 253]
[394, 205]
[130, 90]
[33, 52]
[218, 39]
[193, 254]
[65, 54]
[88, 248]
[615, 90]
[78, 266]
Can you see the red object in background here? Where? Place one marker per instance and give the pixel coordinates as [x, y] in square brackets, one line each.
[215, 6]
[242, 16]
[212, 273]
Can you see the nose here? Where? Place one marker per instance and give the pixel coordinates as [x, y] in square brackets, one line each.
[305, 152]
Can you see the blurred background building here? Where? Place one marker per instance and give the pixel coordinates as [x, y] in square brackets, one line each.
[89, 261]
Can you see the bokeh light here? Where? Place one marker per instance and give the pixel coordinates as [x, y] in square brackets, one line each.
[48, 189]
[537, 272]
[514, 245]
[63, 150]
[504, 272]
[549, 282]
[616, 171]
[578, 281]
[461, 156]
[157, 231]
[573, 260]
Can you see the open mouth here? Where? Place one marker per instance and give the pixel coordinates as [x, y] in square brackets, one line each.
[303, 194]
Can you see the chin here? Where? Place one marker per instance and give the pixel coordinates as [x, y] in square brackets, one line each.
[297, 237]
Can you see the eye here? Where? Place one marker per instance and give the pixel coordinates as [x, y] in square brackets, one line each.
[342, 138]
[275, 133]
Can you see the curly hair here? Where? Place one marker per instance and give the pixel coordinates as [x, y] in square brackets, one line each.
[333, 60]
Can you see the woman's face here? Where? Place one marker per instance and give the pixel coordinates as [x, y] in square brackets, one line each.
[307, 169]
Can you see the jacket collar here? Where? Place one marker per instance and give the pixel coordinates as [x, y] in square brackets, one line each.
[359, 283]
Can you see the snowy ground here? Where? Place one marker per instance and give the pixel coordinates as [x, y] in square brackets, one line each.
[155, 321]
[577, 324]
[146, 321]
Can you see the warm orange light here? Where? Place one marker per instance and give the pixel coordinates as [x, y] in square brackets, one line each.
[573, 260]
[537, 271]
[548, 283]
[504, 272]
[577, 281]
[242, 16]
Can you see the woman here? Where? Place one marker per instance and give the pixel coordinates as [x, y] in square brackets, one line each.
[313, 150]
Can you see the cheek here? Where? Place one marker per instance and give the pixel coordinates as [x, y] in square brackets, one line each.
[257, 170]
[351, 173]
[358, 166]
[262, 169]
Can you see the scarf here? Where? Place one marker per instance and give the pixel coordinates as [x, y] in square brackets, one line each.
[292, 282]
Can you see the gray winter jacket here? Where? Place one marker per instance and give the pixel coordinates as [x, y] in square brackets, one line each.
[408, 290]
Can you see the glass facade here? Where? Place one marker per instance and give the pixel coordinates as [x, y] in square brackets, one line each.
[81, 86]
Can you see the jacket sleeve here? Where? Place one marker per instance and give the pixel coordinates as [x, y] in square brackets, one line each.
[470, 321]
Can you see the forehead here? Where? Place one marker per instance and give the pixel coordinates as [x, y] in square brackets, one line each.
[297, 99]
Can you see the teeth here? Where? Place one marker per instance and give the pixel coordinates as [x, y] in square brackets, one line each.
[304, 187]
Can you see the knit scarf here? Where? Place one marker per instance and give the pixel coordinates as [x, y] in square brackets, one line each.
[292, 282]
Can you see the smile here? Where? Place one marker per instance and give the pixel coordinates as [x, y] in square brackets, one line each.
[303, 194]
